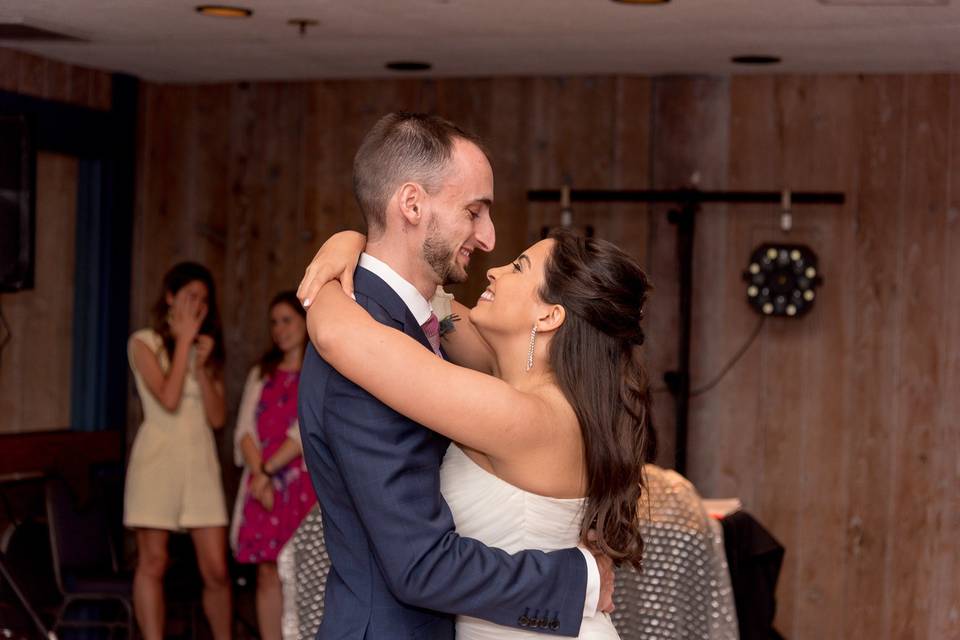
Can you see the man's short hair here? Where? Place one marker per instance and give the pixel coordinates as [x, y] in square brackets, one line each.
[402, 147]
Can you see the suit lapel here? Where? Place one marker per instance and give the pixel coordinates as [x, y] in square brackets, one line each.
[371, 285]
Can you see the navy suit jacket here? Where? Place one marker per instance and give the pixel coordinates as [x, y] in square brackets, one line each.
[399, 568]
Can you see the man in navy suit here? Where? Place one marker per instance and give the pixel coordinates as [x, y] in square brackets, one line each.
[399, 569]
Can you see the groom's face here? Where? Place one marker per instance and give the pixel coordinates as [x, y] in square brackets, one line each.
[460, 219]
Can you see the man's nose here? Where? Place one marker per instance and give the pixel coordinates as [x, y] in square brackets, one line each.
[485, 234]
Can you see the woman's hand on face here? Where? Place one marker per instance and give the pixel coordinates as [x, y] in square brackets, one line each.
[336, 260]
[187, 317]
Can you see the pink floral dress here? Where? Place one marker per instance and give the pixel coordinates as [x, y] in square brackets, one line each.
[263, 533]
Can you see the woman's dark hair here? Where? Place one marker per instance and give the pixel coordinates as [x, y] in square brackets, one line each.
[596, 361]
[273, 356]
[179, 276]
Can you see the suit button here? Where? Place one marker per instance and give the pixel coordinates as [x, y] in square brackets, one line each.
[554, 625]
[523, 621]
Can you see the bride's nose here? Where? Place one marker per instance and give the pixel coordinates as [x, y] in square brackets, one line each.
[494, 272]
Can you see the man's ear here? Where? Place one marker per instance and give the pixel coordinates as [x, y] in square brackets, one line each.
[552, 319]
[411, 198]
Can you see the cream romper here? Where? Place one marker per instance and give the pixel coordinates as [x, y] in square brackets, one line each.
[173, 477]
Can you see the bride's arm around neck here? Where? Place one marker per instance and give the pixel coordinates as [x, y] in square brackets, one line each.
[480, 411]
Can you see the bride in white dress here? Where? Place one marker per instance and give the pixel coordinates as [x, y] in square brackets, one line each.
[548, 409]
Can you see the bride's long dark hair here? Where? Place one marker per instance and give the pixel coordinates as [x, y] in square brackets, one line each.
[595, 358]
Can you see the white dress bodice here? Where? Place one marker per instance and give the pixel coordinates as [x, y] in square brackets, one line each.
[501, 515]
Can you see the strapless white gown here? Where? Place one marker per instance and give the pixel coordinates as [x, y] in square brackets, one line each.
[501, 515]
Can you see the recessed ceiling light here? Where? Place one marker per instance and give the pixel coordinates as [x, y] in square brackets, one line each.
[755, 60]
[224, 11]
[409, 66]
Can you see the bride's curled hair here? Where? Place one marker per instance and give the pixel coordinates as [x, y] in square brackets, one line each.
[595, 358]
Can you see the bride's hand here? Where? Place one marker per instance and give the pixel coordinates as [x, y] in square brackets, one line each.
[336, 260]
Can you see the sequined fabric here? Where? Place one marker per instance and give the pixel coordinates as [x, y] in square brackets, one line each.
[303, 566]
[684, 589]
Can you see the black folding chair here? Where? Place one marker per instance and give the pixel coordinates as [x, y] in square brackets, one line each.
[85, 562]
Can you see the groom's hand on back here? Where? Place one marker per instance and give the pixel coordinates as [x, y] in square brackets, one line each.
[605, 564]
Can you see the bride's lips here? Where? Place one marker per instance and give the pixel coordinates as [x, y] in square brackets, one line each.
[486, 296]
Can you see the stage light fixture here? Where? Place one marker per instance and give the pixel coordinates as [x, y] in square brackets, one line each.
[781, 280]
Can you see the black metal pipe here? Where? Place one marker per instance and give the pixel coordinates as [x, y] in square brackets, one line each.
[685, 195]
[685, 221]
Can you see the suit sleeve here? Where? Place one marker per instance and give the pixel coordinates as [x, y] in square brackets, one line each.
[392, 474]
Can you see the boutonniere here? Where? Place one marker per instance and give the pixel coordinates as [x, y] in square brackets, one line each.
[446, 325]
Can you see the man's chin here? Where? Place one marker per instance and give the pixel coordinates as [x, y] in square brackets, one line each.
[456, 275]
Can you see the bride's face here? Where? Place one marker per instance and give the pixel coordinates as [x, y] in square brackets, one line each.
[511, 303]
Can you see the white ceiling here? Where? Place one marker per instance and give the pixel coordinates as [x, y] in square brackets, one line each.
[166, 40]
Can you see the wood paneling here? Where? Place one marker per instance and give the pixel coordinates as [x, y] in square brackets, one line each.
[44, 78]
[838, 431]
[690, 132]
[917, 482]
[876, 330]
[35, 371]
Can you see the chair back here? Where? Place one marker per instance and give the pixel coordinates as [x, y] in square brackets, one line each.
[80, 541]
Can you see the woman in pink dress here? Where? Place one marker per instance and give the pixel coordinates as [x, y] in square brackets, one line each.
[275, 491]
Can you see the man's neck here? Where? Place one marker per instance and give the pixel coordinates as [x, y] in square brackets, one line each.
[410, 268]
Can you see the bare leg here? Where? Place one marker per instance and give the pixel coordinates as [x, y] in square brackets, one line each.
[211, 546]
[269, 601]
[148, 582]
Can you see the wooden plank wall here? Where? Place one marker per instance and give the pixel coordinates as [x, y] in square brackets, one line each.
[35, 370]
[45, 78]
[838, 431]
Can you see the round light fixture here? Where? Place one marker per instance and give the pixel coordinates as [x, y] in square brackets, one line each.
[757, 60]
[408, 65]
[781, 280]
[224, 11]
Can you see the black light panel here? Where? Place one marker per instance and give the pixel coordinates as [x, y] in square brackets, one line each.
[782, 280]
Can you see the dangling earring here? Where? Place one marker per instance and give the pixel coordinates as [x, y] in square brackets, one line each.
[533, 341]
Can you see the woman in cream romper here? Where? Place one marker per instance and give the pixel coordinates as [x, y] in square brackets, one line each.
[173, 477]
